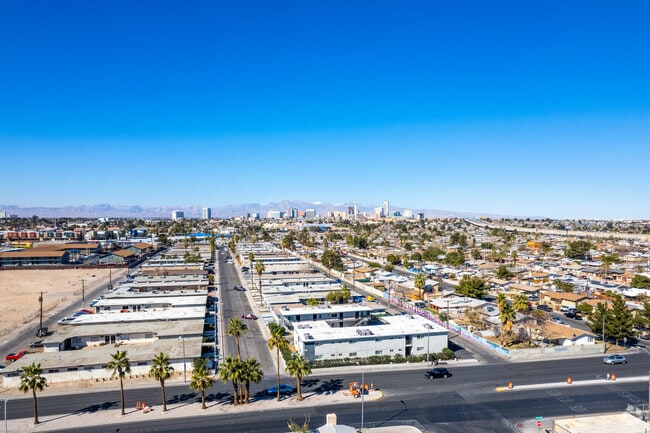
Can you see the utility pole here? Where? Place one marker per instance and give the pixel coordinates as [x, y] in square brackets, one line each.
[83, 294]
[40, 325]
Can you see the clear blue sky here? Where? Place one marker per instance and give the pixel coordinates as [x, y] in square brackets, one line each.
[515, 108]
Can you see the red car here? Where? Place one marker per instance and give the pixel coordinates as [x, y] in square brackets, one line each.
[15, 356]
[249, 316]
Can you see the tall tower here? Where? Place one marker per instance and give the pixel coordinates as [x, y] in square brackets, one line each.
[386, 209]
[206, 213]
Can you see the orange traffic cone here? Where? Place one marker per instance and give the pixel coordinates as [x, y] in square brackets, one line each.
[510, 385]
[569, 380]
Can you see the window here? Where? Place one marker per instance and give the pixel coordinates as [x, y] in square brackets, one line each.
[353, 354]
[378, 352]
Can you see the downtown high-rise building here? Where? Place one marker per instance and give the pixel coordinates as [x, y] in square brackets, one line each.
[206, 213]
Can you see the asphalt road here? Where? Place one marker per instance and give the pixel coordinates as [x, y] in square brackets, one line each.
[234, 303]
[466, 402]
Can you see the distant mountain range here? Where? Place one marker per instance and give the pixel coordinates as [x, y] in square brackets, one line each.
[165, 212]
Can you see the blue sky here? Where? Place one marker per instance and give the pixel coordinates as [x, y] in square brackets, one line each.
[512, 108]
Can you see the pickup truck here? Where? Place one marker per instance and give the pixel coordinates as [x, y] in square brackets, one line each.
[15, 356]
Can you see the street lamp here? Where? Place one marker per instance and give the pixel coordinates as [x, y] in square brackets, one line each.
[604, 344]
[6, 400]
[362, 388]
[182, 338]
[428, 326]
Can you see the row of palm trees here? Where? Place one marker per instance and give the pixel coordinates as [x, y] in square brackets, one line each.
[161, 369]
[240, 373]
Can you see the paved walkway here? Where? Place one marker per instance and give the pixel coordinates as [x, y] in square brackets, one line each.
[174, 410]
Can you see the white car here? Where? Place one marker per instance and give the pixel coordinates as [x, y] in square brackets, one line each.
[66, 320]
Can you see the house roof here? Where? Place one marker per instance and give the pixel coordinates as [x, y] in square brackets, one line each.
[560, 296]
[556, 330]
[123, 253]
[33, 253]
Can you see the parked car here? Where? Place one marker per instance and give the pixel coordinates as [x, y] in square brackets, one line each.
[571, 315]
[66, 320]
[557, 320]
[37, 343]
[284, 389]
[86, 311]
[437, 372]
[15, 356]
[615, 359]
[43, 332]
[249, 316]
[544, 307]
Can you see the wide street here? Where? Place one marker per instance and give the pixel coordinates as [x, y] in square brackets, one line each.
[469, 401]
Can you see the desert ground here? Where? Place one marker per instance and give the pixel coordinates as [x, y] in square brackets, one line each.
[20, 290]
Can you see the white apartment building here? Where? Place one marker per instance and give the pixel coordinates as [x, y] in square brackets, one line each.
[398, 335]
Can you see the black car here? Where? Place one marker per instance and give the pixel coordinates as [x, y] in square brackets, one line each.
[437, 372]
[572, 315]
[544, 307]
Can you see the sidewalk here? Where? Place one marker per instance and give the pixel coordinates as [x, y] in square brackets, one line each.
[190, 408]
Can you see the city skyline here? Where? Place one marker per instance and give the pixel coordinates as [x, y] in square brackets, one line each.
[508, 109]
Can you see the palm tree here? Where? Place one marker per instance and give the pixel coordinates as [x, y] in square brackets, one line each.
[161, 370]
[514, 256]
[298, 367]
[120, 367]
[259, 268]
[251, 372]
[419, 282]
[251, 257]
[31, 379]
[294, 427]
[230, 372]
[507, 316]
[201, 379]
[236, 328]
[520, 302]
[501, 300]
[278, 343]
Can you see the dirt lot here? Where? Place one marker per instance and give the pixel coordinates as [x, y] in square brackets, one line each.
[20, 290]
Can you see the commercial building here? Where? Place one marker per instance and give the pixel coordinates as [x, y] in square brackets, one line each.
[178, 215]
[206, 213]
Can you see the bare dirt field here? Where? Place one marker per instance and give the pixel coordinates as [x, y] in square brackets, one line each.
[20, 290]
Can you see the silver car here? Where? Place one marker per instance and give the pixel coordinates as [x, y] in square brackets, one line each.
[615, 359]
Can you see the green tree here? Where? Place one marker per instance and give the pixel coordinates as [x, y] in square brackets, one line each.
[585, 309]
[520, 302]
[577, 249]
[236, 328]
[278, 342]
[564, 286]
[332, 260]
[455, 258]
[504, 273]
[259, 269]
[161, 370]
[213, 245]
[420, 281]
[31, 380]
[201, 378]
[514, 257]
[252, 372]
[598, 316]
[473, 287]
[458, 239]
[288, 242]
[507, 316]
[416, 256]
[119, 366]
[231, 371]
[620, 324]
[298, 367]
[294, 427]
[313, 302]
[431, 254]
[641, 282]
[393, 259]
[609, 260]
